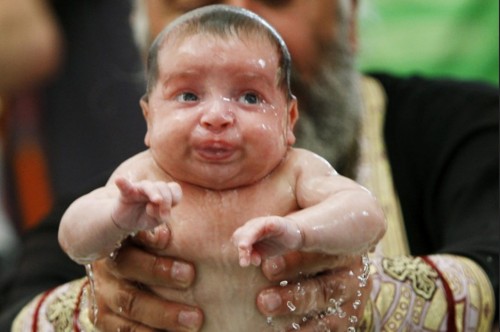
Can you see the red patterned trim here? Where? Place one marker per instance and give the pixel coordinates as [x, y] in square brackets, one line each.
[76, 313]
[34, 325]
[451, 325]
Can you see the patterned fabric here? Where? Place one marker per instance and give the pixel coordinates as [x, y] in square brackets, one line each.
[63, 309]
[408, 295]
[374, 170]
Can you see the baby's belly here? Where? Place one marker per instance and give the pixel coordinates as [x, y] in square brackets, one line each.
[225, 291]
[227, 296]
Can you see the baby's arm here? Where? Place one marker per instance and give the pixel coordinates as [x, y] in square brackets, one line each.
[96, 223]
[337, 216]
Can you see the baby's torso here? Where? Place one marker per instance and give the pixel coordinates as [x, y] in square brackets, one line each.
[201, 227]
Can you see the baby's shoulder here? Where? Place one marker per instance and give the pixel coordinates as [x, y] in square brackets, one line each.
[300, 158]
[139, 167]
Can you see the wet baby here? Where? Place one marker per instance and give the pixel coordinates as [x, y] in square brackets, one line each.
[220, 171]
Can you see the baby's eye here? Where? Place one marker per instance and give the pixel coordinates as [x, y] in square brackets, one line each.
[250, 98]
[187, 97]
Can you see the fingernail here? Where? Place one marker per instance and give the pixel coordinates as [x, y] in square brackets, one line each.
[277, 265]
[181, 272]
[189, 318]
[151, 235]
[271, 301]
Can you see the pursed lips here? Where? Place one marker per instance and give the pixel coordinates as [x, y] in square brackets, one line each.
[215, 150]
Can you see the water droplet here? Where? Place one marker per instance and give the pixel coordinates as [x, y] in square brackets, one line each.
[296, 326]
[90, 276]
[283, 283]
[113, 254]
[269, 320]
[353, 319]
[291, 306]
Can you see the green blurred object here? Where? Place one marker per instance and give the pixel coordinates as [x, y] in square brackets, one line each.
[453, 38]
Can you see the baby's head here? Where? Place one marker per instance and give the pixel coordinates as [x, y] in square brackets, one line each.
[224, 22]
[219, 109]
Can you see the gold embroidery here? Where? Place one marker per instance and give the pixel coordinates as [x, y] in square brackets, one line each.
[374, 171]
[480, 293]
[60, 311]
[422, 276]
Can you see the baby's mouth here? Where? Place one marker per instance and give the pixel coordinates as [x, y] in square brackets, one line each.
[216, 151]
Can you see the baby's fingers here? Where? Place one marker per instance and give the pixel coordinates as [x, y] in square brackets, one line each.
[248, 256]
[156, 192]
[162, 193]
[254, 231]
[126, 187]
[137, 192]
[245, 256]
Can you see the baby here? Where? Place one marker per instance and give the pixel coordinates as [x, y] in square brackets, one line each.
[220, 170]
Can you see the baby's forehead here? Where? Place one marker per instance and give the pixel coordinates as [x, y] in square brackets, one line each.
[231, 54]
[209, 46]
[185, 32]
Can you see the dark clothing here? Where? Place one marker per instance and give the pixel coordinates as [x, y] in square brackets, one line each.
[442, 142]
[89, 118]
[92, 120]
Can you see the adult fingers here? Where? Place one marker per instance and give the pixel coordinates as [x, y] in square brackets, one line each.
[339, 290]
[299, 264]
[134, 263]
[126, 306]
[155, 239]
[116, 323]
[347, 317]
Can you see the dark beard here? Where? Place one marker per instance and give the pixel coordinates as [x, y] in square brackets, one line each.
[330, 109]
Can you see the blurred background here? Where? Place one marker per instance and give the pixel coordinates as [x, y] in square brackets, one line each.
[454, 38]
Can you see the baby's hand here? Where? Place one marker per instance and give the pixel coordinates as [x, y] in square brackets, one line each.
[265, 237]
[144, 204]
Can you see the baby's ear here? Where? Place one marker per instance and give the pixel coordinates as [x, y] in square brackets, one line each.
[293, 116]
[145, 112]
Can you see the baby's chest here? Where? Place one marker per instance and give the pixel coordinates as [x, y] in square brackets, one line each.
[202, 227]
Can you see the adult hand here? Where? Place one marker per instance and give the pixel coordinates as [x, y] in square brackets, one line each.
[314, 282]
[124, 304]
[323, 291]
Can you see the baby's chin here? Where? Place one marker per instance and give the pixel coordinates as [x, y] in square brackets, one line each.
[221, 178]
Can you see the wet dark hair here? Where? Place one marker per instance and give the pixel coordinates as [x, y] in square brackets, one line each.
[224, 21]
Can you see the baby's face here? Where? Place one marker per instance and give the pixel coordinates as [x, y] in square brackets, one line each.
[216, 117]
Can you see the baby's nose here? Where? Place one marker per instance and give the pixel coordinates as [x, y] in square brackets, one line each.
[218, 115]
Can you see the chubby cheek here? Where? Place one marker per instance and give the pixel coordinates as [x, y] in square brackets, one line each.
[167, 136]
[269, 139]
